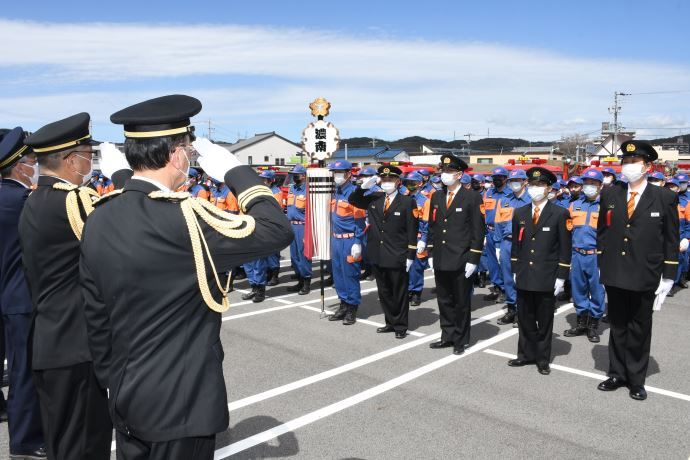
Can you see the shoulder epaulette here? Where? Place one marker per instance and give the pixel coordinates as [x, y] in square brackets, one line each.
[229, 225]
[107, 197]
[76, 196]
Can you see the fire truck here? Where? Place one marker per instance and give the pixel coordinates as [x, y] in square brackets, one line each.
[611, 162]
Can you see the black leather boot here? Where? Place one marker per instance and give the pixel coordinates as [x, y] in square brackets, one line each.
[297, 287]
[260, 295]
[339, 313]
[580, 328]
[273, 277]
[350, 315]
[593, 330]
[306, 286]
[250, 294]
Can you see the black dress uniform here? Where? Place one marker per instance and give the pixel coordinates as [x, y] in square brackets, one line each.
[392, 242]
[540, 254]
[634, 254]
[148, 286]
[23, 411]
[456, 238]
[73, 406]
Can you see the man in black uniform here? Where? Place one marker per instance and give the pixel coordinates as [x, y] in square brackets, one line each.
[392, 244]
[456, 239]
[540, 261]
[74, 408]
[152, 287]
[637, 243]
[18, 169]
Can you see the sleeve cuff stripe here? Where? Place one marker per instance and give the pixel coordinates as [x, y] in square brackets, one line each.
[564, 265]
[476, 250]
[670, 262]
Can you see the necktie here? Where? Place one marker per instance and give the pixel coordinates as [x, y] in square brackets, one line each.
[449, 200]
[388, 203]
[631, 204]
[535, 217]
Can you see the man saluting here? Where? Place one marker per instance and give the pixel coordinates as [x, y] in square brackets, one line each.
[150, 267]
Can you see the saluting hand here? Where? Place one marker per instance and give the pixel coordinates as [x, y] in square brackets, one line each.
[112, 159]
[214, 159]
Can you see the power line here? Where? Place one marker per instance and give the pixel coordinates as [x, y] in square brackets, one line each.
[658, 92]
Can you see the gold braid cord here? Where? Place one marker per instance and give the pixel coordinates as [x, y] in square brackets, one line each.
[75, 195]
[229, 225]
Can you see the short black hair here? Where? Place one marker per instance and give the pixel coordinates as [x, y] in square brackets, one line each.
[7, 171]
[51, 161]
[153, 153]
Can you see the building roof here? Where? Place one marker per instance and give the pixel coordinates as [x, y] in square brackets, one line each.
[244, 143]
[382, 153]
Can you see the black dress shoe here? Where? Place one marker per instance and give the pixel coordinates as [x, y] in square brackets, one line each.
[638, 392]
[611, 384]
[519, 362]
[385, 329]
[37, 454]
[440, 344]
[400, 334]
[544, 369]
[460, 350]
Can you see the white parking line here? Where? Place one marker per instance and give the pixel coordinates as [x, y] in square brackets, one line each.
[595, 376]
[365, 321]
[345, 368]
[324, 412]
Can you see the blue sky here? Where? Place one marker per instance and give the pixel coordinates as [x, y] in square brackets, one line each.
[532, 69]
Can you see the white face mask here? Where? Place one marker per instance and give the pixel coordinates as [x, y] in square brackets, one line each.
[536, 192]
[655, 182]
[33, 178]
[633, 171]
[448, 179]
[590, 191]
[487, 185]
[339, 178]
[551, 196]
[85, 178]
[608, 180]
[388, 187]
[515, 186]
[683, 187]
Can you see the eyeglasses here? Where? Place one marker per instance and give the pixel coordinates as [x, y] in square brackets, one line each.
[79, 151]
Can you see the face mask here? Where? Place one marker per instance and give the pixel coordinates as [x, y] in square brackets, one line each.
[448, 179]
[85, 177]
[536, 192]
[608, 180]
[498, 183]
[551, 196]
[515, 186]
[655, 182]
[633, 171]
[683, 187]
[487, 186]
[185, 174]
[590, 191]
[388, 187]
[339, 178]
[33, 178]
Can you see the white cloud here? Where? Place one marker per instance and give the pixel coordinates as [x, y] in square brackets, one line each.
[384, 87]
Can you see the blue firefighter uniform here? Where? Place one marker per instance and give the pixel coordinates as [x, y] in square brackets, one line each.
[347, 226]
[683, 200]
[296, 207]
[421, 261]
[491, 198]
[503, 231]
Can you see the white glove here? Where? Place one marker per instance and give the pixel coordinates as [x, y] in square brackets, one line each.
[369, 183]
[421, 246]
[356, 251]
[408, 264]
[431, 262]
[498, 253]
[683, 245]
[661, 292]
[214, 159]
[112, 159]
[469, 269]
[559, 286]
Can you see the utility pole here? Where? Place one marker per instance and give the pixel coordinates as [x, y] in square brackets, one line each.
[615, 109]
[209, 129]
[373, 143]
[469, 140]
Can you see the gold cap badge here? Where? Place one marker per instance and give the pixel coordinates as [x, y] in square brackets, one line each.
[630, 148]
[446, 160]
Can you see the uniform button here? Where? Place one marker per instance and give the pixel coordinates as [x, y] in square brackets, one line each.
[625, 239]
[533, 239]
[444, 231]
[443, 242]
[381, 241]
[531, 250]
[445, 220]
[628, 226]
[531, 263]
[623, 253]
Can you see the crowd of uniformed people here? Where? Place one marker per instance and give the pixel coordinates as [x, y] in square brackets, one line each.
[112, 282]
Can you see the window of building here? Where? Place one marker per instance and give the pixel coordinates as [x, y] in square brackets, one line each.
[249, 160]
[485, 161]
[266, 160]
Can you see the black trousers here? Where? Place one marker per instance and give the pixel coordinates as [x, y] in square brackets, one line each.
[74, 411]
[23, 410]
[630, 336]
[535, 323]
[454, 297]
[131, 448]
[392, 286]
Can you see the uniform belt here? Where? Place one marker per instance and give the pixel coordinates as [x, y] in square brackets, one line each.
[297, 222]
[343, 235]
[587, 252]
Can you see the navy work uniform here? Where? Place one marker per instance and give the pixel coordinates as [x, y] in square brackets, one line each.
[540, 256]
[499, 191]
[23, 410]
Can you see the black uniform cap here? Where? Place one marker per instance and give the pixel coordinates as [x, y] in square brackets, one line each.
[62, 134]
[452, 161]
[4, 131]
[159, 117]
[389, 171]
[12, 147]
[639, 149]
[541, 174]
